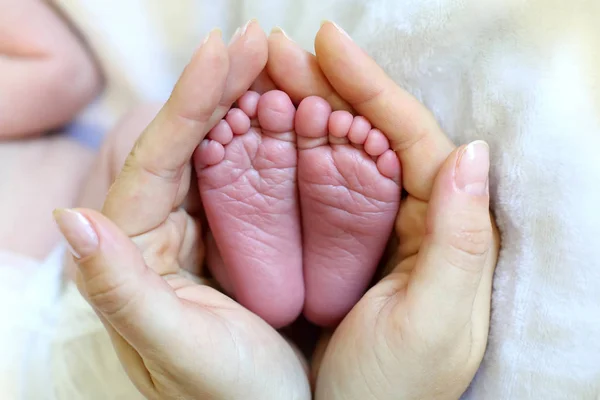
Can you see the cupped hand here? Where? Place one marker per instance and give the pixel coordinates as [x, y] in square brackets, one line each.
[178, 338]
[421, 332]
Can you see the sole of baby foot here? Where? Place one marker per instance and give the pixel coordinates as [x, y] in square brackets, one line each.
[246, 171]
[349, 186]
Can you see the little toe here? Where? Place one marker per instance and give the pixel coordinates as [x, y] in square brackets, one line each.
[221, 133]
[388, 165]
[376, 143]
[210, 152]
[248, 103]
[238, 121]
[340, 123]
[359, 130]
[312, 120]
[276, 114]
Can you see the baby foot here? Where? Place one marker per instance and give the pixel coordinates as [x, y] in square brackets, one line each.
[247, 179]
[349, 186]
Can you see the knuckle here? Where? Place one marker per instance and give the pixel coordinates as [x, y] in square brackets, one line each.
[468, 245]
[142, 159]
[109, 296]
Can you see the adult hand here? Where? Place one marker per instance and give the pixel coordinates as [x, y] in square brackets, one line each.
[422, 331]
[176, 338]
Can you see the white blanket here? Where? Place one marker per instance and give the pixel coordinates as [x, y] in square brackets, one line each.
[523, 75]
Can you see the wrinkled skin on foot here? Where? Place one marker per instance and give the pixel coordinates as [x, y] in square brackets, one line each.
[297, 200]
[247, 180]
[421, 331]
[349, 186]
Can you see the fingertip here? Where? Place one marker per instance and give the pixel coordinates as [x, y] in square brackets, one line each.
[329, 26]
[411, 128]
[200, 87]
[277, 33]
[297, 72]
[472, 168]
[212, 41]
[78, 231]
[254, 37]
[458, 217]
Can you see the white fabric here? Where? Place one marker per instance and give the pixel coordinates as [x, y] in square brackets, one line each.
[52, 345]
[28, 297]
[523, 75]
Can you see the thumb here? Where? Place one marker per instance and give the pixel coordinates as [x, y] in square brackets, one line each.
[116, 281]
[458, 247]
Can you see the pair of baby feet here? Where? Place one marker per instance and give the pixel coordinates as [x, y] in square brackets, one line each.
[300, 202]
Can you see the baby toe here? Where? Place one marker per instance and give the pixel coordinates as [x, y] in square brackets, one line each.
[210, 152]
[238, 121]
[359, 130]
[248, 103]
[376, 143]
[340, 123]
[388, 165]
[221, 133]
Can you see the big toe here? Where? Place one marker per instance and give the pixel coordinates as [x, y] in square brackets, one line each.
[276, 112]
[312, 118]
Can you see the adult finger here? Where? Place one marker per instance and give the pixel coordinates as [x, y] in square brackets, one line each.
[263, 83]
[116, 281]
[193, 97]
[411, 128]
[248, 53]
[296, 72]
[144, 193]
[128, 296]
[459, 248]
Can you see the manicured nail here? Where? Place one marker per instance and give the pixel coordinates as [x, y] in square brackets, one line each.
[245, 28]
[212, 33]
[236, 35]
[241, 31]
[472, 169]
[78, 231]
[279, 29]
[339, 28]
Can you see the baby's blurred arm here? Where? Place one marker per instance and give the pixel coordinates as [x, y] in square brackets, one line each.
[46, 74]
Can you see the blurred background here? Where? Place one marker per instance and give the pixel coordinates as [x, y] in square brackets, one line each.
[143, 45]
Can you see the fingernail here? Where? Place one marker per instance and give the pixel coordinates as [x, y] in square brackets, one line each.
[339, 28]
[213, 32]
[236, 35]
[78, 231]
[245, 28]
[472, 169]
[239, 32]
[279, 29]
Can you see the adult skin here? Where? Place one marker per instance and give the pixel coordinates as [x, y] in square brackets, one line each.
[177, 338]
[421, 332]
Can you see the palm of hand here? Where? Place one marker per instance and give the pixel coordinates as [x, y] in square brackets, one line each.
[398, 335]
[171, 249]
